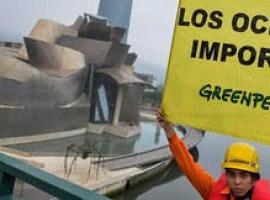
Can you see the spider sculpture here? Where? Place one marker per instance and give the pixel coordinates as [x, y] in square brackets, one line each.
[84, 151]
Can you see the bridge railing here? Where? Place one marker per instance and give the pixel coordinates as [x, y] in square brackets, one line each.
[11, 169]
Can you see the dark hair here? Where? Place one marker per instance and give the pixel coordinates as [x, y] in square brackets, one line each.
[255, 176]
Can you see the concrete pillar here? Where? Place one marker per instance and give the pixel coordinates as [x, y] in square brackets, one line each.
[118, 105]
[117, 12]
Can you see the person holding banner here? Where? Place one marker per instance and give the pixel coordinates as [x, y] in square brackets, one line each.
[240, 181]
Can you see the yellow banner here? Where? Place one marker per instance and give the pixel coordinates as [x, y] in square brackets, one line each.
[218, 78]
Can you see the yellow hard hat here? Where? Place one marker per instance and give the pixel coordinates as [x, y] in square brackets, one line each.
[242, 156]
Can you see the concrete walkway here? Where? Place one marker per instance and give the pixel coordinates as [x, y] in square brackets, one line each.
[41, 137]
[87, 174]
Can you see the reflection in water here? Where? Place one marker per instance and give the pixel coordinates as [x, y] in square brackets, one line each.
[108, 145]
[105, 144]
[171, 173]
[157, 135]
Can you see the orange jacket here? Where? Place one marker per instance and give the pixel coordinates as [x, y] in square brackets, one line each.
[202, 181]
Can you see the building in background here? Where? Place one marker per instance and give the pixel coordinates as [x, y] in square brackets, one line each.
[117, 12]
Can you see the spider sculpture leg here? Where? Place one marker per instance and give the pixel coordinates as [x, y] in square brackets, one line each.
[71, 148]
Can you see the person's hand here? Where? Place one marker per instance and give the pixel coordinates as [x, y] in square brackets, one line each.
[166, 125]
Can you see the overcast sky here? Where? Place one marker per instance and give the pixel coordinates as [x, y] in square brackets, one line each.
[150, 32]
